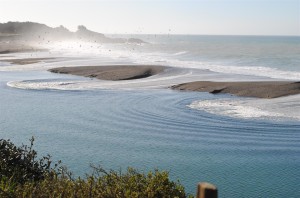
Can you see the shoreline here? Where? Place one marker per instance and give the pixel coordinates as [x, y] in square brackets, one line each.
[12, 47]
[113, 72]
[258, 89]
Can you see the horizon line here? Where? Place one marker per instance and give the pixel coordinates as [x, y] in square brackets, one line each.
[187, 34]
[179, 34]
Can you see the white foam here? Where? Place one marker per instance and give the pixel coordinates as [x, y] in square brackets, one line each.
[180, 53]
[66, 85]
[157, 81]
[230, 108]
[121, 52]
[169, 77]
[276, 109]
[93, 53]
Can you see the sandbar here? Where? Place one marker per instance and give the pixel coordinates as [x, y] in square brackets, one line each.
[257, 89]
[114, 72]
[262, 89]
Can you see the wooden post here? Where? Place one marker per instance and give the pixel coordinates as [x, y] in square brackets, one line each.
[206, 190]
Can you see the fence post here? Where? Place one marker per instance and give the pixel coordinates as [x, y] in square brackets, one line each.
[206, 190]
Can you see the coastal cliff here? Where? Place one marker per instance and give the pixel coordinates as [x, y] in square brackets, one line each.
[36, 32]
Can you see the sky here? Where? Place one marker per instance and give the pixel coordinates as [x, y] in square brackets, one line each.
[206, 17]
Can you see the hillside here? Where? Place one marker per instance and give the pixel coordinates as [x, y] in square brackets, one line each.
[31, 31]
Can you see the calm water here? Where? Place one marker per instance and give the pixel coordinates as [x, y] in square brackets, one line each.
[245, 156]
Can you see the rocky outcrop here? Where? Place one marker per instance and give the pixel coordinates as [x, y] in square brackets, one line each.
[31, 31]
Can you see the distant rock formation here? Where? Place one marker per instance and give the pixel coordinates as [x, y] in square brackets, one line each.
[135, 40]
[31, 31]
[22, 27]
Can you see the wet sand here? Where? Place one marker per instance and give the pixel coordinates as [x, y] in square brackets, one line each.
[25, 61]
[262, 89]
[12, 47]
[114, 73]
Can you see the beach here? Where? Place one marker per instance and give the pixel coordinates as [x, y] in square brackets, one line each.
[8, 46]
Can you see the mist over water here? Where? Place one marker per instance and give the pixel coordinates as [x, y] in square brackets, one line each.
[274, 57]
[255, 55]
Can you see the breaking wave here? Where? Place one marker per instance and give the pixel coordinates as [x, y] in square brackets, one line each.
[274, 109]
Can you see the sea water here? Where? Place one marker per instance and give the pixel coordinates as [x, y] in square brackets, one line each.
[246, 147]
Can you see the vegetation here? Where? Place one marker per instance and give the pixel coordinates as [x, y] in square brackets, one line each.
[23, 175]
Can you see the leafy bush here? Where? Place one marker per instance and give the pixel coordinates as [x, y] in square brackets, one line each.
[20, 164]
[21, 175]
[131, 184]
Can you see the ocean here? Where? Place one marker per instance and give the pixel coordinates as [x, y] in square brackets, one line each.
[247, 147]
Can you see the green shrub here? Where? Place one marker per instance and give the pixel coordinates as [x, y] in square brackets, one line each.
[22, 175]
[131, 184]
[20, 164]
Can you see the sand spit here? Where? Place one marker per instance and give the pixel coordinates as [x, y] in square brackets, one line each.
[114, 73]
[262, 89]
[259, 89]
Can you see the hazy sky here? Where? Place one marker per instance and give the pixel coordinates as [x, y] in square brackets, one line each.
[233, 17]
